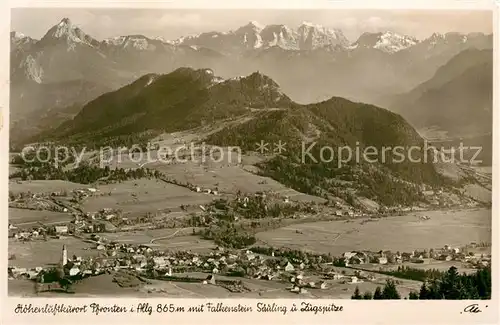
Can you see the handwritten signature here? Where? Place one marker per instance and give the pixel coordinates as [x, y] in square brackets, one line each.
[472, 309]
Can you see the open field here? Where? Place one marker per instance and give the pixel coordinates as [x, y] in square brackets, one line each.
[429, 264]
[32, 218]
[142, 196]
[403, 233]
[165, 239]
[43, 253]
[97, 286]
[138, 237]
[488, 170]
[478, 192]
[44, 186]
[229, 179]
[192, 243]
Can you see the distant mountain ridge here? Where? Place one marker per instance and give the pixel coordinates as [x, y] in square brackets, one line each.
[388, 42]
[307, 36]
[457, 99]
[311, 63]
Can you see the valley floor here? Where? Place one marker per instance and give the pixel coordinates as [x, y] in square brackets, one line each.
[405, 233]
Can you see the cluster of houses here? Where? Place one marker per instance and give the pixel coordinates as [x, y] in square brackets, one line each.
[145, 261]
[446, 253]
[149, 262]
[198, 189]
[443, 199]
[37, 201]
[37, 233]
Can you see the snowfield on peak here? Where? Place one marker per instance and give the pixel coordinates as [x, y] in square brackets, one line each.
[253, 35]
[388, 42]
[392, 42]
[137, 42]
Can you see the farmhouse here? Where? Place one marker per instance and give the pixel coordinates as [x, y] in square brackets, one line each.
[382, 260]
[355, 280]
[159, 262]
[74, 271]
[61, 229]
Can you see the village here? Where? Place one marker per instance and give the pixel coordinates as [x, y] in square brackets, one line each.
[227, 262]
[303, 271]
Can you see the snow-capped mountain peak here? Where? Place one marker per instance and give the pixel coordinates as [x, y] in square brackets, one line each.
[137, 42]
[281, 36]
[313, 36]
[388, 42]
[250, 35]
[308, 24]
[253, 35]
[254, 25]
[21, 41]
[65, 30]
[392, 42]
[17, 35]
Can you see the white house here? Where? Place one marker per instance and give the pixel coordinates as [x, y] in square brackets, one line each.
[289, 267]
[159, 262]
[74, 271]
[348, 255]
[61, 229]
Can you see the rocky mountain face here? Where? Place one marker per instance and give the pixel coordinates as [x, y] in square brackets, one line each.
[255, 36]
[388, 42]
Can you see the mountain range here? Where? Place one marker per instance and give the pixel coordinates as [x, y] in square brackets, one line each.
[311, 63]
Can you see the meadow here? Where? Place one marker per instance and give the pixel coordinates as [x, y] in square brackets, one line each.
[398, 233]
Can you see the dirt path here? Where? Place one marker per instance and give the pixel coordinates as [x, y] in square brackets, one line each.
[166, 237]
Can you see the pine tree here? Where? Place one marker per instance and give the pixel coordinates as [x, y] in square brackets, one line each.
[378, 294]
[356, 294]
[367, 295]
[424, 293]
[413, 295]
[390, 291]
[450, 287]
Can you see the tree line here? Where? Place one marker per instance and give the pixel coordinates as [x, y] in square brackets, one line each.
[449, 285]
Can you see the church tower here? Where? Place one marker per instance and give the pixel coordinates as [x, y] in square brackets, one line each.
[64, 255]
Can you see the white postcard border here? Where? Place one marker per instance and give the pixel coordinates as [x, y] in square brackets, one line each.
[354, 312]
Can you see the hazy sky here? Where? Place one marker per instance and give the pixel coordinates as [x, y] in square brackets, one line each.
[171, 24]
